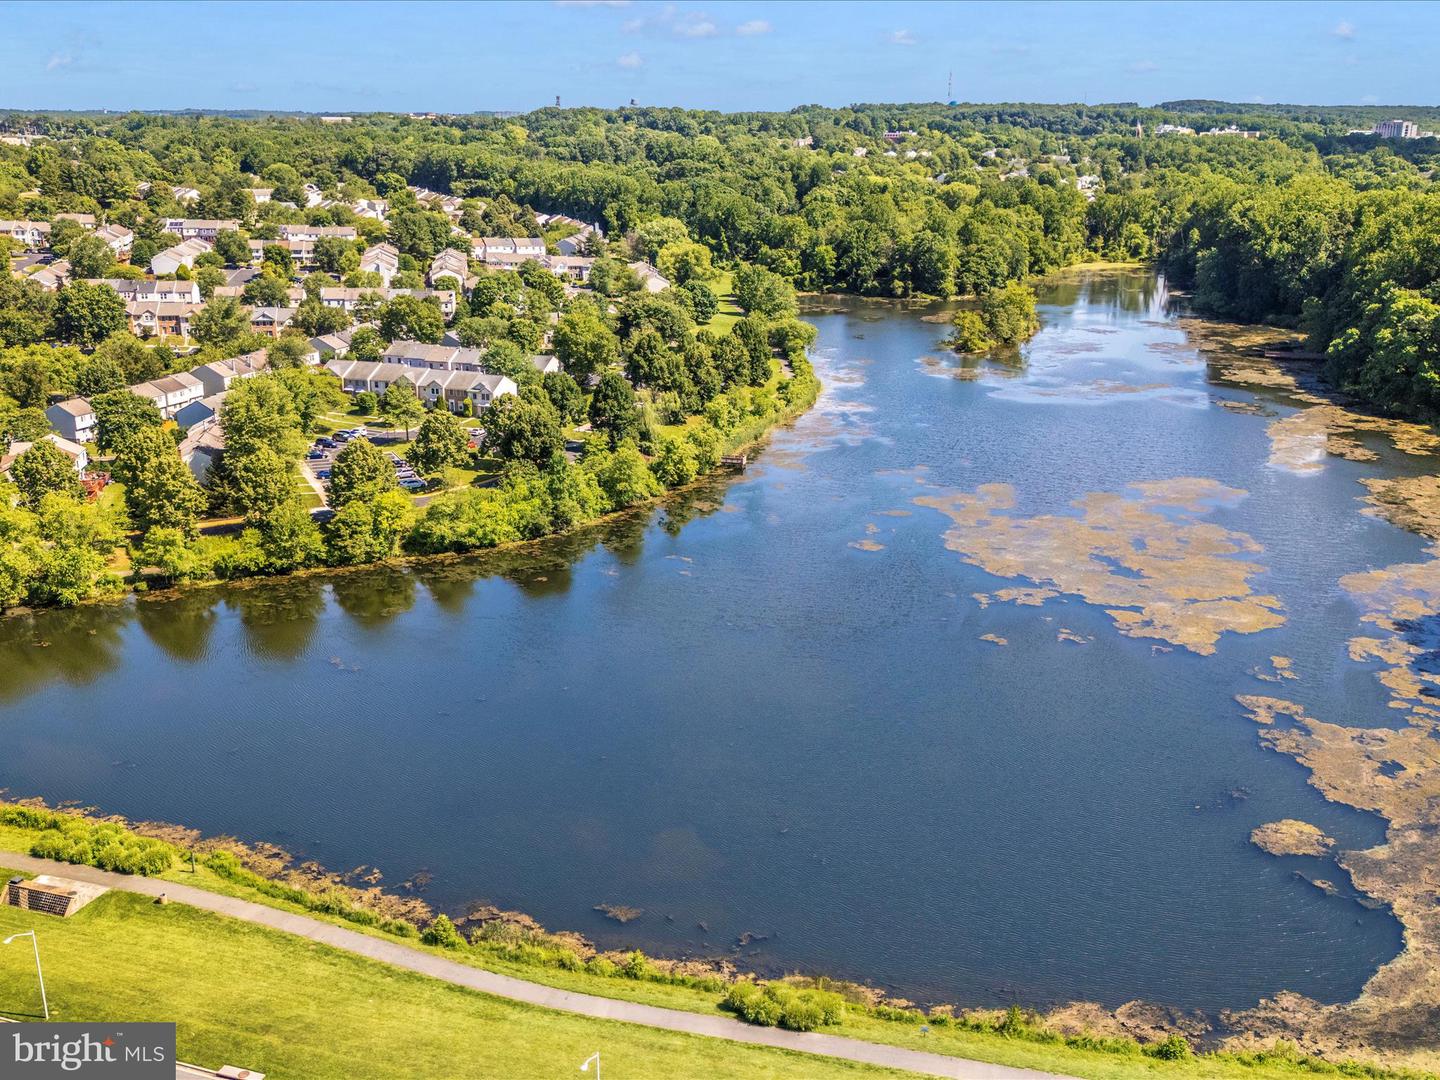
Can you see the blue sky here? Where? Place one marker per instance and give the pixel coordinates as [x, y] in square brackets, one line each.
[460, 57]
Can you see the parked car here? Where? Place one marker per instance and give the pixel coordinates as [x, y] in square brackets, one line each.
[325, 441]
[315, 455]
[413, 484]
[323, 474]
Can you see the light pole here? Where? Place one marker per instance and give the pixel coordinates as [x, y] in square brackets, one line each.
[40, 974]
[595, 1057]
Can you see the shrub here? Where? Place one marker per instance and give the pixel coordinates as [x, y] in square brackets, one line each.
[442, 932]
[1013, 1024]
[637, 966]
[102, 844]
[1172, 1048]
[598, 965]
[779, 1004]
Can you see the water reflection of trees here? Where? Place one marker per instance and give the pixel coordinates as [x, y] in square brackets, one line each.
[280, 618]
[375, 595]
[1123, 289]
[77, 646]
[179, 623]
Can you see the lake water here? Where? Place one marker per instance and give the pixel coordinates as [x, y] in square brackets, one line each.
[768, 708]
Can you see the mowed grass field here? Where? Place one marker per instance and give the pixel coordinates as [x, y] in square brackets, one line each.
[298, 1010]
[729, 313]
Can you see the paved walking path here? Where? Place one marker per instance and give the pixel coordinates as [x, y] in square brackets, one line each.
[505, 986]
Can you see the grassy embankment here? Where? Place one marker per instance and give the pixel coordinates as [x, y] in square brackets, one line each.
[200, 994]
[289, 1007]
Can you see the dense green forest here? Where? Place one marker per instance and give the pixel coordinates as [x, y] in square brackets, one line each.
[1308, 226]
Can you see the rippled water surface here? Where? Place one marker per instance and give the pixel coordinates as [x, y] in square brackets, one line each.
[775, 707]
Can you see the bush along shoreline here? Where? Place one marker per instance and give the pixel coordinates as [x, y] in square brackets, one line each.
[488, 936]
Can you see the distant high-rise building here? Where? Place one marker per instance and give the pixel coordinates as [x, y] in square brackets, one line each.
[1397, 129]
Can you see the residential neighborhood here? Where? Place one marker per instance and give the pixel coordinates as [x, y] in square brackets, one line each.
[305, 280]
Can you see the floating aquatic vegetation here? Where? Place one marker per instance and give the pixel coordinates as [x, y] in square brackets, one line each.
[1392, 771]
[1020, 596]
[1291, 837]
[1253, 408]
[621, 913]
[1265, 710]
[1411, 502]
[1097, 391]
[994, 639]
[1300, 442]
[867, 545]
[1281, 667]
[1141, 555]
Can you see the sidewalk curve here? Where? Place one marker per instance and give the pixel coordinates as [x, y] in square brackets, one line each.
[549, 997]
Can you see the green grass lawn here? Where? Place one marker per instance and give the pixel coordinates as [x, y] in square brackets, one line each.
[112, 497]
[729, 312]
[289, 1007]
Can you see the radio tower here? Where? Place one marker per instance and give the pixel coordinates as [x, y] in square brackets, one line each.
[950, 87]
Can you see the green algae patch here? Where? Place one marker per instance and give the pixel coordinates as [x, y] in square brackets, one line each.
[1143, 555]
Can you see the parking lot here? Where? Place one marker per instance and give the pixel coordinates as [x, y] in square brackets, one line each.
[320, 458]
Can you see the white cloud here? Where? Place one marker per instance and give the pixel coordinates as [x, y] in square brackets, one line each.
[902, 37]
[1344, 30]
[630, 60]
[696, 25]
[754, 26]
[1144, 66]
[632, 26]
[592, 3]
[59, 60]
